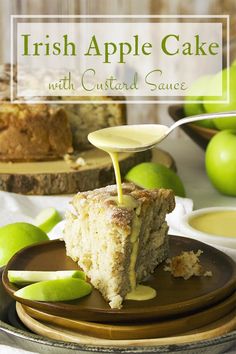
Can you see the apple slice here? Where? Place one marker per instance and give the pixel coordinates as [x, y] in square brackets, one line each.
[29, 276]
[47, 219]
[55, 290]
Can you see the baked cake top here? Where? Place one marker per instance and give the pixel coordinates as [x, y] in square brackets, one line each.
[121, 215]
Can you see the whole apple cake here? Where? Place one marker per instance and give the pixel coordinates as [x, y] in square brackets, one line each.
[31, 132]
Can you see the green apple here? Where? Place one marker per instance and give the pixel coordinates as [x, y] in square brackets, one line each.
[47, 219]
[195, 93]
[152, 175]
[223, 123]
[29, 276]
[233, 63]
[55, 290]
[14, 237]
[220, 162]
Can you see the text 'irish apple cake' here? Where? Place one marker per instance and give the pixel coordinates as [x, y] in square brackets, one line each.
[118, 246]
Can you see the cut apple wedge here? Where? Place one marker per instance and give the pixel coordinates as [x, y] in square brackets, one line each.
[27, 277]
[55, 290]
[47, 219]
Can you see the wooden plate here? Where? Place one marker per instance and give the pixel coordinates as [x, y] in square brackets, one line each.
[200, 135]
[174, 296]
[139, 330]
[215, 329]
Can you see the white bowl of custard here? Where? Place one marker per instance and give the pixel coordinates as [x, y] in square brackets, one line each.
[214, 225]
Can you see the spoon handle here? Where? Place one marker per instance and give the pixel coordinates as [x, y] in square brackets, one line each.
[202, 117]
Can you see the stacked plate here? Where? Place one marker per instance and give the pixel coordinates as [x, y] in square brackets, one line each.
[183, 311]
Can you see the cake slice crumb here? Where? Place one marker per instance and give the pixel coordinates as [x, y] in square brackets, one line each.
[186, 265]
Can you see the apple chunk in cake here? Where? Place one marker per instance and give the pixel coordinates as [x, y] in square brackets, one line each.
[118, 246]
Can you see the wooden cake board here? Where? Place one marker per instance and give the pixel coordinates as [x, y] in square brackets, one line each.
[63, 177]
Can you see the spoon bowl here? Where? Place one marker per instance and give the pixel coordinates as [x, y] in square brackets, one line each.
[140, 137]
[128, 138]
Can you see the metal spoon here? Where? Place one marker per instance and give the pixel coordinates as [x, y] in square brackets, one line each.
[140, 137]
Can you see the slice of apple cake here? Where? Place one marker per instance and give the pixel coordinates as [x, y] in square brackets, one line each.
[118, 246]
